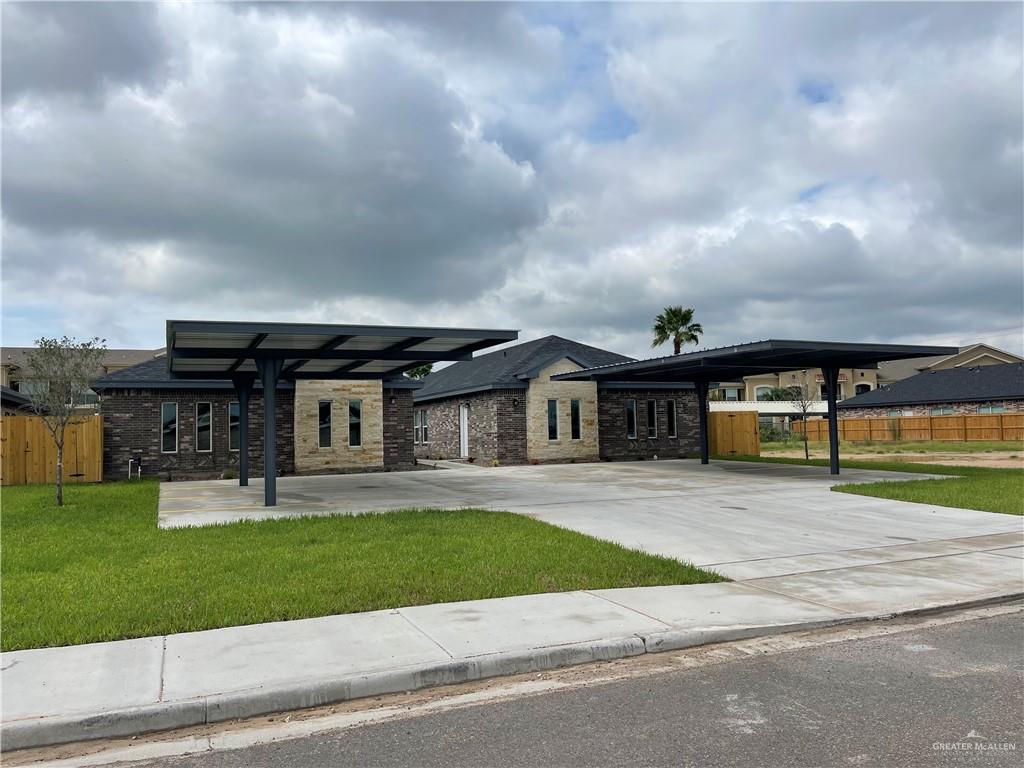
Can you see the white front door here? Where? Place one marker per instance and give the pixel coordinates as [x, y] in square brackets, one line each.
[463, 431]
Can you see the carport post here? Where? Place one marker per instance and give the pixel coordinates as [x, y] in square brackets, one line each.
[243, 388]
[702, 418]
[831, 375]
[270, 372]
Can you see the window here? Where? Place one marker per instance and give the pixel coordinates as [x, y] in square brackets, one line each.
[631, 419]
[575, 424]
[940, 412]
[423, 426]
[900, 412]
[324, 423]
[762, 393]
[732, 394]
[416, 426]
[233, 441]
[552, 419]
[670, 407]
[204, 427]
[991, 409]
[652, 418]
[355, 423]
[824, 391]
[860, 389]
[169, 428]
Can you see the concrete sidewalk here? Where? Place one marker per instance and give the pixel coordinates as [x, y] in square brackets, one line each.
[54, 695]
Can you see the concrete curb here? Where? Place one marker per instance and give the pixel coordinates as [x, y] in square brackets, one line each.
[302, 694]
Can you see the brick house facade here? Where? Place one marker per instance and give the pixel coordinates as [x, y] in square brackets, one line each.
[926, 409]
[616, 443]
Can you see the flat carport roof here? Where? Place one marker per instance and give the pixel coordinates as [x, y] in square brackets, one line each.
[729, 363]
[242, 352]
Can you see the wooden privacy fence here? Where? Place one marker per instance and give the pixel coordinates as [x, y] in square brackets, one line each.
[732, 433]
[29, 455]
[958, 428]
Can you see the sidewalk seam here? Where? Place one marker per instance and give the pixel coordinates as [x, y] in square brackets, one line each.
[632, 610]
[794, 597]
[163, 667]
[424, 632]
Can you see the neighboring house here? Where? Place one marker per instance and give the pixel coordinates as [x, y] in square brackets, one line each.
[189, 428]
[854, 381]
[944, 392]
[14, 368]
[14, 403]
[503, 406]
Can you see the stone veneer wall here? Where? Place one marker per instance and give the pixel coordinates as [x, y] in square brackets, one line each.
[310, 458]
[542, 389]
[497, 427]
[131, 430]
[1011, 406]
[614, 444]
[398, 447]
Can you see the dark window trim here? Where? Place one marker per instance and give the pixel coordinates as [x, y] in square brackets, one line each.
[237, 448]
[673, 418]
[355, 422]
[652, 419]
[176, 424]
[195, 426]
[631, 408]
[320, 425]
[557, 430]
[575, 419]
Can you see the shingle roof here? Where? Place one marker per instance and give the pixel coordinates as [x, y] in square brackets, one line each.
[509, 367]
[18, 356]
[952, 385]
[153, 374]
[12, 398]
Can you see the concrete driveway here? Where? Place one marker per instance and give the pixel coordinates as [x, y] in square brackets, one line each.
[744, 520]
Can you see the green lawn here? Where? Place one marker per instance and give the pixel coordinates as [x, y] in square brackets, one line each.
[984, 488]
[820, 448]
[99, 569]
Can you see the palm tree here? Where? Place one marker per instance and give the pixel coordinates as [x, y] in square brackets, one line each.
[677, 324]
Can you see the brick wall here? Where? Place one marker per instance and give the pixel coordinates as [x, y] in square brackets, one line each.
[339, 456]
[1010, 406]
[398, 428]
[497, 427]
[615, 445]
[131, 429]
[564, 448]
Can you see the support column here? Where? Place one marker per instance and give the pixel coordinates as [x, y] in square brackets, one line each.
[702, 418]
[270, 372]
[831, 375]
[243, 388]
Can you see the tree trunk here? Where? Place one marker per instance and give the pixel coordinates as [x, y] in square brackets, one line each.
[807, 449]
[60, 474]
[677, 346]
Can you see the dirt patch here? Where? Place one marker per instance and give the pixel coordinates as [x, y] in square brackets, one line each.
[996, 459]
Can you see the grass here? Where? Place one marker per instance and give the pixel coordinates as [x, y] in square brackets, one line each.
[99, 569]
[983, 488]
[898, 447]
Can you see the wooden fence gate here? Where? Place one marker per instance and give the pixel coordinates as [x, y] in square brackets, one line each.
[733, 433]
[29, 455]
[956, 428]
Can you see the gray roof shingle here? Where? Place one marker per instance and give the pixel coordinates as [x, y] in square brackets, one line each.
[153, 374]
[952, 385]
[508, 368]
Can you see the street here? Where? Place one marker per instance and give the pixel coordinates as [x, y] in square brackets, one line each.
[939, 695]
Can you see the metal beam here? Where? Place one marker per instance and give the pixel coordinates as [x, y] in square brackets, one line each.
[260, 338]
[325, 330]
[702, 419]
[218, 353]
[831, 375]
[337, 341]
[270, 372]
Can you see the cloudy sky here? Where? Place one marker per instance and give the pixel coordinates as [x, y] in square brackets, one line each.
[845, 172]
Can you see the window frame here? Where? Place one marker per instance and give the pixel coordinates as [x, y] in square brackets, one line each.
[991, 409]
[320, 425]
[652, 423]
[424, 433]
[940, 411]
[176, 426]
[631, 411]
[195, 426]
[238, 423]
[549, 422]
[670, 413]
[575, 419]
[416, 427]
[356, 423]
[757, 397]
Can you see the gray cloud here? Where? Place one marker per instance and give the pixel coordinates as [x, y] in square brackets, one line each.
[831, 171]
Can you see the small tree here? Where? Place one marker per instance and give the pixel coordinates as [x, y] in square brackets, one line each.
[60, 372]
[804, 396]
[420, 371]
[676, 323]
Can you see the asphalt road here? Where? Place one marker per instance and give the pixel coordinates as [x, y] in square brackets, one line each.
[950, 695]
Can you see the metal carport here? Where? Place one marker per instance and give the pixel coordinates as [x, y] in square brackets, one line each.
[707, 367]
[242, 352]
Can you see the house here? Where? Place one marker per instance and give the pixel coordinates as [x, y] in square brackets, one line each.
[503, 407]
[189, 428]
[14, 368]
[853, 381]
[13, 403]
[986, 388]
